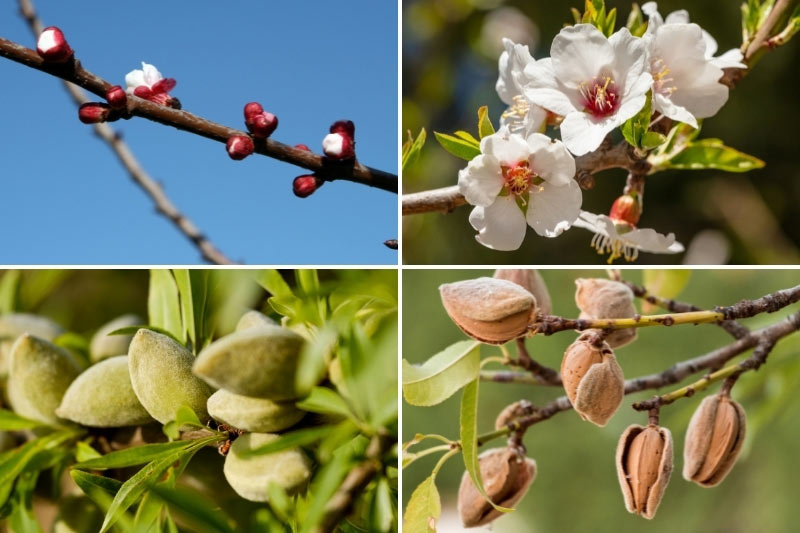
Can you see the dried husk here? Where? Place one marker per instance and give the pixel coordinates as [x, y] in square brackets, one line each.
[530, 280]
[39, 375]
[254, 319]
[103, 396]
[605, 298]
[506, 478]
[12, 325]
[259, 361]
[714, 439]
[103, 345]
[644, 462]
[161, 375]
[251, 476]
[493, 311]
[593, 380]
[258, 415]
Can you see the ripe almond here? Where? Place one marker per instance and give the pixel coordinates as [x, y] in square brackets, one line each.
[593, 380]
[644, 464]
[713, 440]
[530, 280]
[605, 298]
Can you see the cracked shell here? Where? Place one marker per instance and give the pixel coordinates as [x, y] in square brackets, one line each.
[644, 462]
[714, 439]
[103, 345]
[258, 415]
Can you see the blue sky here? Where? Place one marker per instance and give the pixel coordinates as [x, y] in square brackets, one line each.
[66, 200]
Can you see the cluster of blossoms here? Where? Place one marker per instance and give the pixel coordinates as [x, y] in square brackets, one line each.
[590, 85]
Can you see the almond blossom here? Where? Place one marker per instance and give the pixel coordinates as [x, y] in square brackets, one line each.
[516, 182]
[622, 239]
[148, 83]
[522, 116]
[596, 83]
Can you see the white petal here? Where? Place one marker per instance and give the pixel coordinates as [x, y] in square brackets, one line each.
[730, 59]
[151, 74]
[680, 16]
[630, 59]
[134, 79]
[581, 134]
[592, 222]
[649, 240]
[481, 181]
[508, 148]
[544, 89]
[551, 160]
[711, 44]
[664, 105]
[511, 65]
[704, 95]
[500, 226]
[553, 209]
[580, 53]
[654, 19]
[633, 103]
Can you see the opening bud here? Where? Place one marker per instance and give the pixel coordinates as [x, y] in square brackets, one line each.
[304, 186]
[259, 122]
[239, 147]
[52, 46]
[605, 298]
[93, 112]
[644, 464]
[626, 209]
[339, 146]
[117, 97]
[531, 281]
[345, 127]
[593, 380]
[713, 440]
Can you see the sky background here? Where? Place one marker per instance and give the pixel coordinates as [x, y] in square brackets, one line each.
[66, 199]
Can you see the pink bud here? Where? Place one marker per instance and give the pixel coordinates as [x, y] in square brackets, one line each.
[52, 45]
[262, 126]
[338, 146]
[626, 209]
[302, 147]
[251, 110]
[304, 186]
[239, 147]
[344, 126]
[93, 112]
[116, 97]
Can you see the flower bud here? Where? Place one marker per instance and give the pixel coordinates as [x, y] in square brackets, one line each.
[531, 281]
[52, 45]
[626, 209]
[262, 125]
[713, 440]
[117, 97]
[490, 310]
[604, 298]
[345, 127]
[93, 112]
[644, 464]
[302, 147]
[506, 478]
[239, 147]
[338, 146]
[304, 186]
[593, 380]
[251, 110]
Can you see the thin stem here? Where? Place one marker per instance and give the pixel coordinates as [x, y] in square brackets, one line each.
[548, 325]
[411, 457]
[507, 376]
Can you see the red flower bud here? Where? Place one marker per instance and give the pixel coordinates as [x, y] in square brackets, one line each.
[239, 147]
[304, 186]
[302, 147]
[93, 112]
[251, 110]
[116, 97]
[52, 45]
[344, 126]
[339, 146]
[262, 126]
[626, 208]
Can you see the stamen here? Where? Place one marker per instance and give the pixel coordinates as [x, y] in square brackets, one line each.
[518, 178]
[616, 248]
[516, 113]
[661, 83]
[601, 96]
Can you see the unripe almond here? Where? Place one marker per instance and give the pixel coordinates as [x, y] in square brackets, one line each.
[490, 310]
[104, 345]
[252, 414]
[530, 280]
[12, 325]
[713, 440]
[605, 298]
[506, 478]
[593, 380]
[644, 462]
[254, 319]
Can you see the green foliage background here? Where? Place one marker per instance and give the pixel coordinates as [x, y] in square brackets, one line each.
[448, 73]
[576, 488]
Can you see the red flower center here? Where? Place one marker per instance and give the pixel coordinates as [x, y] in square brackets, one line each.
[518, 177]
[601, 96]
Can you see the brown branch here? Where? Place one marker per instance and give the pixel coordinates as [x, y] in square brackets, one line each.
[542, 373]
[128, 160]
[74, 72]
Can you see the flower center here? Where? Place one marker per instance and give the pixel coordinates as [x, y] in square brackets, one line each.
[616, 248]
[518, 177]
[601, 96]
[662, 83]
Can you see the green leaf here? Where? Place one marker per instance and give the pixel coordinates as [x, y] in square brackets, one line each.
[84, 452]
[292, 439]
[412, 148]
[325, 484]
[441, 375]
[636, 23]
[163, 305]
[461, 134]
[183, 417]
[652, 139]
[634, 128]
[89, 483]
[11, 421]
[711, 153]
[274, 283]
[22, 519]
[200, 512]
[137, 455]
[458, 147]
[423, 509]
[664, 283]
[38, 285]
[469, 439]
[485, 126]
[193, 290]
[9, 285]
[325, 401]
[381, 512]
[314, 359]
[611, 22]
[576, 15]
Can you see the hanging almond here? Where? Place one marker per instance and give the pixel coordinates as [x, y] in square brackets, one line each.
[593, 380]
[713, 440]
[605, 298]
[530, 280]
[644, 465]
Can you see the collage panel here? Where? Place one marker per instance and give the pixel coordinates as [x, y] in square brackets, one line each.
[224, 400]
[683, 396]
[576, 133]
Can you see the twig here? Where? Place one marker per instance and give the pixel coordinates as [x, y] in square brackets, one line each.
[74, 72]
[542, 373]
[509, 376]
[140, 177]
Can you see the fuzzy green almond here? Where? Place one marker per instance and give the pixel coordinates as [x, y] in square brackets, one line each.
[161, 375]
[251, 476]
[103, 345]
[254, 319]
[260, 362]
[38, 376]
[259, 415]
[103, 397]
[12, 325]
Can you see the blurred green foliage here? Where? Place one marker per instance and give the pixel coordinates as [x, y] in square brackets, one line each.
[450, 53]
[576, 488]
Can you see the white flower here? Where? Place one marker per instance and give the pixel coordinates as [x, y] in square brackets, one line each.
[620, 239]
[595, 83]
[521, 116]
[148, 76]
[518, 181]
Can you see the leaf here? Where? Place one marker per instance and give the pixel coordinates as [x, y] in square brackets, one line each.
[461, 134]
[84, 452]
[381, 512]
[423, 509]
[183, 417]
[458, 147]
[292, 439]
[441, 375]
[202, 513]
[325, 401]
[22, 519]
[90, 483]
[11, 421]
[412, 148]
[711, 153]
[314, 359]
[636, 23]
[485, 126]
[38, 285]
[274, 283]
[664, 283]
[611, 22]
[652, 139]
[9, 285]
[326, 482]
[193, 289]
[133, 456]
[469, 439]
[163, 306]
[634, 128]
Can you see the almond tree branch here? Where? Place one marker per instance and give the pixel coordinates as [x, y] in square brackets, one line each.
[544, 374]
[74, 72]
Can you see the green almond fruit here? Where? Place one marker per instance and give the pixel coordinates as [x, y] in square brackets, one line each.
[161, 375]
[104, 345]
[12, 325]
[252, 414]
[103, 397]
[254, 319]
[39, 375]
[251, 476]
[260, 362]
